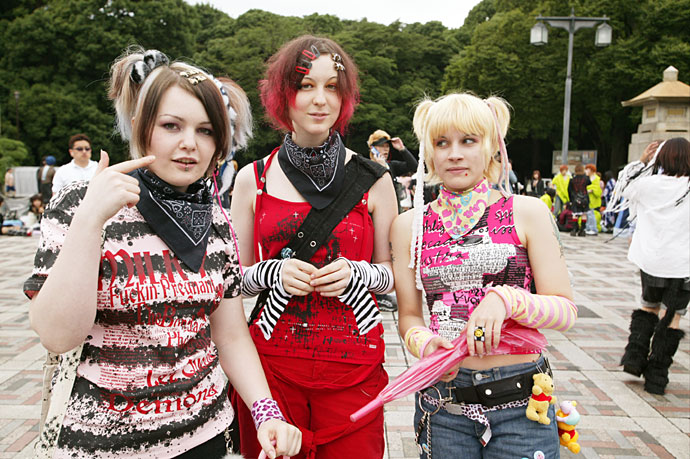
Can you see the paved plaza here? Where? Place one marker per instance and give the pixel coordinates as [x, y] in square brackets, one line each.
[619, 419]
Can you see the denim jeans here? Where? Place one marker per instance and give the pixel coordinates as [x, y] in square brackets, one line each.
[513, 435]
[591, 221]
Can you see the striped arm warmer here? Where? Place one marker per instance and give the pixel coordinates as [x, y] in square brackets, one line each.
[364, 278]
[263, 275]
[536, 311]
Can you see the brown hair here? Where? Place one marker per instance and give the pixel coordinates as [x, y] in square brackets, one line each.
[674, 158]
[579, 169]
[76, 138]
[141, 102]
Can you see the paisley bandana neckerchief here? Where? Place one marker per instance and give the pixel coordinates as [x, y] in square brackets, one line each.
[460, 212]
[181, 220]
[317, 172]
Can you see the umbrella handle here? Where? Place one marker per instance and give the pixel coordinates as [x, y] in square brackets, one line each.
[366, 409]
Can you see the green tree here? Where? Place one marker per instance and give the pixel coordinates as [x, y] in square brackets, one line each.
[12, 153]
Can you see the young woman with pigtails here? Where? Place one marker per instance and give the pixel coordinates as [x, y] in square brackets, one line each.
[137, 282]
[313, 220]
[473, 253]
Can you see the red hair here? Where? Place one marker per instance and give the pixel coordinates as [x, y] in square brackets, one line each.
[564, 167]
[591, 167]
[279, 87]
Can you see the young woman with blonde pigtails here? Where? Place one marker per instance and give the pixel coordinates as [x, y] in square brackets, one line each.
[474, 252]
[137, 281]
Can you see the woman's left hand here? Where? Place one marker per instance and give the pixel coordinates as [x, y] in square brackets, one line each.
[489, 316]
[278, 438]
[332, 279]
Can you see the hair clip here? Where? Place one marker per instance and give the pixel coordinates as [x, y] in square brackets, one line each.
[304, 61]
[141, 69]
[194, 76]
[338, 62]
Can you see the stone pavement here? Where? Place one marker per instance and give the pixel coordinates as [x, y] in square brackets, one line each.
[619, 419]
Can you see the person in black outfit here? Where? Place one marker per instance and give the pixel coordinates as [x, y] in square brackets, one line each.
[579, 199]
[380, 143]
[535, 186]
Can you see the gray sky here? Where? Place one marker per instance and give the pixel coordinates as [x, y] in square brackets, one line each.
[451, 13]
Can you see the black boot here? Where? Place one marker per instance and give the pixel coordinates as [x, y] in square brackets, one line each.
[664, 346]
[642, 326]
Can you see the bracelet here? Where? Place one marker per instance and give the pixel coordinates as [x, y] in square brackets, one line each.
[416, 340]
[265, 409]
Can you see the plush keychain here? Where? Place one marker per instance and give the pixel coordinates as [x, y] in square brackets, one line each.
[542, 397]
[567, 418]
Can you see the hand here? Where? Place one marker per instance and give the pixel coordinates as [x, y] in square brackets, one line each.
[296, 276]
[397, 143]
[435, 343]
[110, 188]
[332, 279]
[490, 314]
[279, 438]
[381, 160]
[648, 152]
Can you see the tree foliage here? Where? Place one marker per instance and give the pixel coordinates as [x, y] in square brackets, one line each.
[57, 54]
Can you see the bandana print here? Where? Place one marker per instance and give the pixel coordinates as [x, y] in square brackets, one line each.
[316, 172]
[182, 220]
[460, 212]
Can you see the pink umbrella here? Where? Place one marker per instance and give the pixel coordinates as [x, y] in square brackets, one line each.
[428, 371]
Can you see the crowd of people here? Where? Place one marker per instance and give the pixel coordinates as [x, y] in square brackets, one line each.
[138, 279]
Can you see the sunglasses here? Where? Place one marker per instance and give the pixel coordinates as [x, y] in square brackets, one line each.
[80, 149]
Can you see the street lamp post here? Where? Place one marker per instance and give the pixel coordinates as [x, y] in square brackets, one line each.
[16, 110]
[572, 23]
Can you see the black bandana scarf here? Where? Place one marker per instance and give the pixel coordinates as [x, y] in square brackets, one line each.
[317, 172]
[182, 220]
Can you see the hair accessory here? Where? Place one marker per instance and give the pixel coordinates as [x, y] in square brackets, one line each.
[478, 333]
[152, 59]
[338, 62]
[304, 61]
[194, 76]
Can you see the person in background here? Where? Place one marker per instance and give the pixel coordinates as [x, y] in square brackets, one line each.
[317, 327]
[560, 182]
[548, 197]
[80, 168]
[594, 190]
[534, 186]
[380, 144]
[44, 178]
[152, 351]
[10, 189]
[578, 193]
[608, 219]
[473, 253]
[35, 213]
[657, 189]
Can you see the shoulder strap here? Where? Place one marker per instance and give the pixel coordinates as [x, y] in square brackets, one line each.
[318, 225]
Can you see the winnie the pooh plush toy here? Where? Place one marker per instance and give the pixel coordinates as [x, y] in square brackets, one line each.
[542, 397]
[567, 418]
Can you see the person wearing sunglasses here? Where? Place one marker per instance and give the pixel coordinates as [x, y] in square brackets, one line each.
[82, 167]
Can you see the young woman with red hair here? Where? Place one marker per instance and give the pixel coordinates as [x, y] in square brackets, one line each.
[318, 329]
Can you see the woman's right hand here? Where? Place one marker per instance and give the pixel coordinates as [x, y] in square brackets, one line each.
[110, 188]
[296, 277]
[649, 151]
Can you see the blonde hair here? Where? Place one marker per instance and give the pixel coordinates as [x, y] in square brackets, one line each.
[231, 120]
[467, 113]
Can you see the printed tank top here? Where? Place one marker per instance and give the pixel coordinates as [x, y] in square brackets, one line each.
[456, 272]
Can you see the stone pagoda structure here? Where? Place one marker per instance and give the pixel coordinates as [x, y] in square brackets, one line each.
[665, 113]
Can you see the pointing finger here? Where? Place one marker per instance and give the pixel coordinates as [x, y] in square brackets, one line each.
[128, 166]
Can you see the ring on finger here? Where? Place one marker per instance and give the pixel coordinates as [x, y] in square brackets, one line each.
[479, 334]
